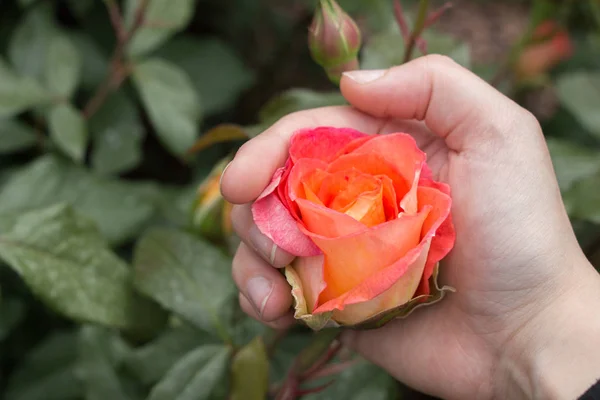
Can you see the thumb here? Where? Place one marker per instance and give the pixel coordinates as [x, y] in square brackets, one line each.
[455, 104]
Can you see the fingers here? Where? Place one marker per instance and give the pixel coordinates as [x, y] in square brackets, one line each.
[256, 161]
[454, 103]
[246, 229]
[263, 286]
[281, 323]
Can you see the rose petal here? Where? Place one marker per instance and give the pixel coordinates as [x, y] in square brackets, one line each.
[350, 260]
[371, 164]
[307, 172]
[275, 221]
[300, 290]
[380, 283]
[399, 293]
[400, 151]
[368, 208]
[322, 143]
[438, 226]
[323, 221]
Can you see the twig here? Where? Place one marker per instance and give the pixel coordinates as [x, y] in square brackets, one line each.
[418, 28]
[403, 25]
[331, 352]
[118, 71]
[437, 14]
[332, 369]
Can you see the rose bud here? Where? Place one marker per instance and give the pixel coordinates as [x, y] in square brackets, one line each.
[211, 213]
[367, 223]
[334, 40]
[550, 45]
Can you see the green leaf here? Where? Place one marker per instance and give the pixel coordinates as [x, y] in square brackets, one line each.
[217, 72]
[572, 162]
[69, 131]
[297, 100]
[363, 381]
[30, 42]
[66, 264]
[81, 8]
[171, 102]
[94, 61]
[162, 19]
[195, 376]
[120, 209]
[15, 136]
[582, 200]
[579, 92]
[18, 93]
[151, 362]
[250, 372]
[48, 371]
[96, 368]
[12, 312]
[117, 134]
[186, 275]
[63, 67]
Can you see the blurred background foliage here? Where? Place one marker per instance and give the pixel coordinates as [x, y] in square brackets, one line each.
[115, 245]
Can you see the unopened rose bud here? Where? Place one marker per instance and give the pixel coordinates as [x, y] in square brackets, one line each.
[211, 213]
[550, 45]
[334, 40]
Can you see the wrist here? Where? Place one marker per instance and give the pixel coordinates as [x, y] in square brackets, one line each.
[556, 353]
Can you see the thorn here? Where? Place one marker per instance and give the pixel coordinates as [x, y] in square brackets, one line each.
[401, 20]
[436, 15]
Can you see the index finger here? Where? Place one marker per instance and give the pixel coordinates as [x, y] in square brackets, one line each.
[256, 161]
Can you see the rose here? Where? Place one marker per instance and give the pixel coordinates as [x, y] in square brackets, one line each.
[365, 218]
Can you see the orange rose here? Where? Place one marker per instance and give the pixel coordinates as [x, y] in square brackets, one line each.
[364, 217]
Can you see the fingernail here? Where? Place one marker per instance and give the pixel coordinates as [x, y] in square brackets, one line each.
[262, 244]
[223, 174]
[259, 290]
[365, 75]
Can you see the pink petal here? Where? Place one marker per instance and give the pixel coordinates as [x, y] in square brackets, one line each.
[321, 143]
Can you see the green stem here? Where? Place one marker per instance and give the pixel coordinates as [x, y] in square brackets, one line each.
[417, 30]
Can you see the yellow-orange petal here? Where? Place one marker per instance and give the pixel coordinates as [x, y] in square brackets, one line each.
[351, 188]
[368, 208]
[307, 172]
[401, 152]
[371, 164]
[322, 221]
[352, 259]
[398, 294]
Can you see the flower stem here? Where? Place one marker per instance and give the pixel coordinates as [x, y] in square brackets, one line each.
[417, 30]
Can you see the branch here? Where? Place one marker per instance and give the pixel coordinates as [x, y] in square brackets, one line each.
[417, 30]
[118, 70]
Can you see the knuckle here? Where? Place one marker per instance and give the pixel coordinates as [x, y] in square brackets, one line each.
[438, 61]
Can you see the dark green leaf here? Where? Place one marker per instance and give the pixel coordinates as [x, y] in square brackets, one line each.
[216, 71]
[12, 312]
[15, 135]
[66, 263]
[162, 19]
[119, 209]
[195, 376]
[171, 102]
[80, 7]
[363, 381]
[63, 66]
[250, 372]
[18, 93]
[69, 131]
[117, 133]
[572, 162]
[94, 63]
[579, 92]
[149, 363]
[48, 372]
[97, 369]
[186, 275]
[30, 42]
[297, 100]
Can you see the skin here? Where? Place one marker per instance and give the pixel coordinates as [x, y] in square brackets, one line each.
[521, 322]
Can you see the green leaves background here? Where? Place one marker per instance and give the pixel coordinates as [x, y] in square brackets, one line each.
[106, 289]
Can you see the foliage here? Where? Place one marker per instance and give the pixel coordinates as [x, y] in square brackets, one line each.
[111, 286]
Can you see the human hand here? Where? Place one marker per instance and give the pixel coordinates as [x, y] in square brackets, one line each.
[518, 270]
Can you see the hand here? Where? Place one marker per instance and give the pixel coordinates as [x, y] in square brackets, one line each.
[522, 281]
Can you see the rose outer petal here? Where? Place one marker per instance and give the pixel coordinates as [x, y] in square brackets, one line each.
[352, 260]
[321, 143]
[275, 221]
